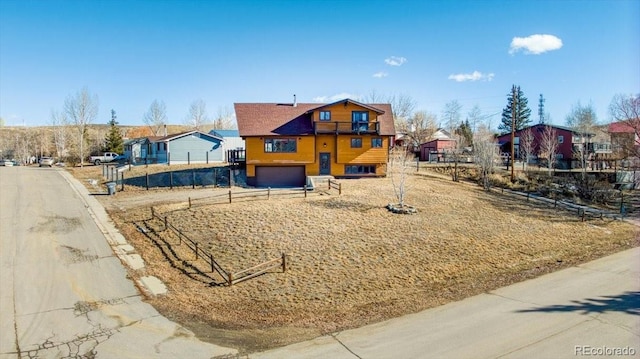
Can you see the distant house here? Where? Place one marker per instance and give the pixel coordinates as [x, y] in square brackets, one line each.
[285, 143]
[186, 147]
[137, 149]
[438, 144]
[625, 140]
[570, 142]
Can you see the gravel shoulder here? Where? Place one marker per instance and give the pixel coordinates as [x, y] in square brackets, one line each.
[350, 262]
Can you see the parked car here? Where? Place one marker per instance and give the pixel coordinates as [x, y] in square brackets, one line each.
[121, 159]
[104, 158]
[7, 163]
[46, 161]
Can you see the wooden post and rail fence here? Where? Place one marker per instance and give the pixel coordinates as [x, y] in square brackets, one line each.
[230, 278]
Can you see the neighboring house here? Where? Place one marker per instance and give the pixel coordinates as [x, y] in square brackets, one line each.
[186, 147]
[231, 141]
[285, 143]
[625, 141]
[570, 142]
[137, 149]
[433, 150]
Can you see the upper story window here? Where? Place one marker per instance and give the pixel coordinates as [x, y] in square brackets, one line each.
[560, 139]
[356, 142]
[376, 142]
[359, 120]
[287, 145]
[325, 115]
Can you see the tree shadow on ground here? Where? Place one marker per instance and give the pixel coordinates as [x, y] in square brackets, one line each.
[628, 302]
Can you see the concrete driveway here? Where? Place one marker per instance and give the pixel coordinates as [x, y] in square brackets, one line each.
[64, 292]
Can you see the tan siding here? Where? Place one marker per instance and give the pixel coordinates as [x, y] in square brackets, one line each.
[340, 113]
[364, 155]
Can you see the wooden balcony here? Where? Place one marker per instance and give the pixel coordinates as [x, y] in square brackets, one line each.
[345, 127]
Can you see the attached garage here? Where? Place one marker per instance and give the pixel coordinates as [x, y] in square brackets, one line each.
[280, 176]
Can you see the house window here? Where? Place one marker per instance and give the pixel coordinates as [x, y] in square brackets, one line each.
[359, 169]
[560, 139]
[376, 142]
[286, 145]
[359, 121]
[356, 142]
[325, 115]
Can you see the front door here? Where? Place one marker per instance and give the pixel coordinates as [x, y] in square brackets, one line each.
[325, 163]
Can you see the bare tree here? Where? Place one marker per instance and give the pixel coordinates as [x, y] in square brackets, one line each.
[527, 146]
[549, 146]
[582, 120]
[156, 117]
[486, 153]
[60, 124]
[224, 119]
[474, 117]
[402, 106]
[451, 115]
[399, 170]
[81, 109]
[198, 116]
[419, 127]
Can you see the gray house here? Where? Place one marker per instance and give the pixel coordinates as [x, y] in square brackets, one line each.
[186, 147]
[137, 149]
[232, 141]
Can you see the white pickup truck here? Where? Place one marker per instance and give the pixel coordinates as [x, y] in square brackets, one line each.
[104, 158]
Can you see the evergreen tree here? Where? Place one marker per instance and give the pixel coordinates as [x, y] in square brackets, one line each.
[522, 111]
[113, 141]
[465, 133]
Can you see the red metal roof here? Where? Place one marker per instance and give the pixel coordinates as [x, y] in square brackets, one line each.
[620, 127]
[273, 119]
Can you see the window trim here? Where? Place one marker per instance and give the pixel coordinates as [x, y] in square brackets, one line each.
[272, 148]
[366, 170]
[560, 139]
[320, 117]
[374, 140]
[357, 139]
[360, 125]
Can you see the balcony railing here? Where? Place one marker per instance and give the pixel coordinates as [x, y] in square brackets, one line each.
[336, 127]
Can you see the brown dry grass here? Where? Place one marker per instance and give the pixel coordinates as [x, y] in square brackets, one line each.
[350, 261]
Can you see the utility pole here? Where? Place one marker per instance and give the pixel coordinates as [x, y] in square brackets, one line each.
[513, 131]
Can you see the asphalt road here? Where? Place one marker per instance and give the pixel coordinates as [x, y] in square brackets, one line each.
[591, 310]
[64, 294]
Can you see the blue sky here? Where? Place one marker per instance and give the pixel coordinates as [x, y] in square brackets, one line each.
[130, 53]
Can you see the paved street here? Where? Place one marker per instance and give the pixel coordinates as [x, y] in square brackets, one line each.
[589, 308]
[64, 292]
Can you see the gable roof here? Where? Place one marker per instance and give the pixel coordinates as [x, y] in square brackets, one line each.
[621, 127]
[182, 134]
[273, 119]
[225, 133]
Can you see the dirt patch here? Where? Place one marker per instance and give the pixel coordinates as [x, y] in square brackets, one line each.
[351, 262]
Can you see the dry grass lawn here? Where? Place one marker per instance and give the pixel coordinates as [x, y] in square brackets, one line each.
[350, 261]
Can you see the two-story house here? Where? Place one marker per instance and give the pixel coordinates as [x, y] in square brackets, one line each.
[286, 142]
[570, 143]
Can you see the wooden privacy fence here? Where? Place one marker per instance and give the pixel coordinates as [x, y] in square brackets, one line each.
[230, 278]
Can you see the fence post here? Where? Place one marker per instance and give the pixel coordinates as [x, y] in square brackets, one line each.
[621, 201]
[171, 179]
[329, 183]
[305, 191]
[153, 212]
[339, 189]
[284, 263]
[207, 156]
[268, 192]
[229, 196]
[193, 179]
[166, 223]
[122, 181]
[196, 250]
[147, 180]
[189, 202]
[211, 262]
[230, 279]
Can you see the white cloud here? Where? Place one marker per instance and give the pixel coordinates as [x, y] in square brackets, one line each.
[395, 61]
[336, 97]
[474, 76]
[380, 74]
[535, 44]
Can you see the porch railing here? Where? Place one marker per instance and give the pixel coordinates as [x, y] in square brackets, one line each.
[345, 127]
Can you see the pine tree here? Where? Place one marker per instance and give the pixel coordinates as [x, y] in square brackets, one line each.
[113, 141]
[522, 111]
